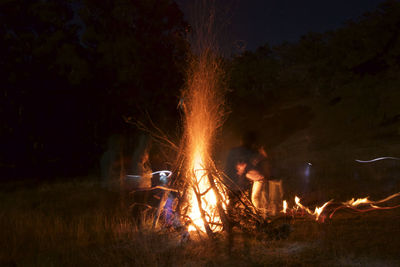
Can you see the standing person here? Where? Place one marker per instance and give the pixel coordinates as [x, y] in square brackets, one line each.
[248, 168]
[260, 186]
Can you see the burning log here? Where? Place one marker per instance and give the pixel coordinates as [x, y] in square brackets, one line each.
[221, 210]
[360, 205]
[366, 204]
[202, 212]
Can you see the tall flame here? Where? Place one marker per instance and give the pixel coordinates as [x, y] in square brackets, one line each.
[203, 115]
[203, 109]
[208, 199]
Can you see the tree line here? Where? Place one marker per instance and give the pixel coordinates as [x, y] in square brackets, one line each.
[338, 85]
[72, 69]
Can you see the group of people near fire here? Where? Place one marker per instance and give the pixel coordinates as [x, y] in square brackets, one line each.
[248, 170]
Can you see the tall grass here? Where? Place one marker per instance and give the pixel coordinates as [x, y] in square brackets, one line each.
[82, 224]
[72, 223]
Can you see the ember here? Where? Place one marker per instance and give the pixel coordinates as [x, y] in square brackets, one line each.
[358, 205]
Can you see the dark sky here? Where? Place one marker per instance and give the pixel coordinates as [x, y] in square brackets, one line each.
[256, 22]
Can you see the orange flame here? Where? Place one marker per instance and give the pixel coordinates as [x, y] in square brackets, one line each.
[357, 202]
[208, 199]
[352, 204]
[285, 206]
[318, 210]
[203, 108]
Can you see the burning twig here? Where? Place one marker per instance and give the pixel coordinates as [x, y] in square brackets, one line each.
[353, 204]
[372, 208]
[202, 212]
[221, 210]
[360, 205]
[248, 206]
[153, 188]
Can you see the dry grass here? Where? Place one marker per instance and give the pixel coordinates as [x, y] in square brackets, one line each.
[82, 224]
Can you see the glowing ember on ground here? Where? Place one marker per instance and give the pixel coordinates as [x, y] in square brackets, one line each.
[357, 202]
[358, 205]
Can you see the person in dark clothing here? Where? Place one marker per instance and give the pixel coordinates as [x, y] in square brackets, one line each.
[248, 168]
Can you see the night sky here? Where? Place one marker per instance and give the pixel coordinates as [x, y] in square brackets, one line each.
[257, 22]
[75, 83]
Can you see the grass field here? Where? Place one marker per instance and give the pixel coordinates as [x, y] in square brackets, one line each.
[79, 223]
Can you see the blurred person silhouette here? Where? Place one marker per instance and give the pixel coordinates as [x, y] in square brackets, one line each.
[248, 168]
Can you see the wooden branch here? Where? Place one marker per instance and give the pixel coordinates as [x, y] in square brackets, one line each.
[161, 133]
[153, 188]
[160, 209]
[202, 213]
[140, 204]
[158, 134]
[249, 207]
[224, 218]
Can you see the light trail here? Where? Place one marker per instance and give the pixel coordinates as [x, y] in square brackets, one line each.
[161, 173]
[377, 159]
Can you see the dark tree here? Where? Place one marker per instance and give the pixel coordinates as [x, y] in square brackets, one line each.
[72, 69]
